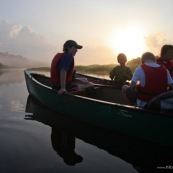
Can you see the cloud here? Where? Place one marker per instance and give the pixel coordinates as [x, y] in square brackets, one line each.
[156, 41]
[23, 40]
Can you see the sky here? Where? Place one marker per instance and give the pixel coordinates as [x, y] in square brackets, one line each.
[37, 29]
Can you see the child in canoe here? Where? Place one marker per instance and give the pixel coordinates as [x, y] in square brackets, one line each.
[120, 73]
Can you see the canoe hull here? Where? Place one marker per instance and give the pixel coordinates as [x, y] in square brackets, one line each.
[129, 120]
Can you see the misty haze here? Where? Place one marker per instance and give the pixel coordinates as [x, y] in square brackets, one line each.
[17, 61]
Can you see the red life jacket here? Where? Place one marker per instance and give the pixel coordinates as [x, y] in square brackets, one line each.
[155, 82]
[168, 65]
[54, 75]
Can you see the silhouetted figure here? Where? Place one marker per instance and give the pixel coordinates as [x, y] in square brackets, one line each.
[64, 145]
[121, 73]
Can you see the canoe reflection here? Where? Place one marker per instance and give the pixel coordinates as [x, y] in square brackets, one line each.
[62, 142]
[141, 154]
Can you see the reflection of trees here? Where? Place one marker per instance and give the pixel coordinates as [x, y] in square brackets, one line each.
[11, 76]
[64, 144]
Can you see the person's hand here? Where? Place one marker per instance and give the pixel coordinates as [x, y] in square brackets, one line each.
[62, 91]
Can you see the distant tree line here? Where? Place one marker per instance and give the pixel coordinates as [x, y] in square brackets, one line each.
[134, 63]
[97, 69]
[8, 60]
[105, 69]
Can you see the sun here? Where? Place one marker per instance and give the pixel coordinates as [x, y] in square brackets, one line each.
[129, 41]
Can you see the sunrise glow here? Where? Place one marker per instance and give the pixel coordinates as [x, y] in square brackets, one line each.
[129, 41]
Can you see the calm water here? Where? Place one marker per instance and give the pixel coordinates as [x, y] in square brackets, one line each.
[35, 139]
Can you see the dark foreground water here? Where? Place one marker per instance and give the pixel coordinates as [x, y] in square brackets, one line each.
[38, 140]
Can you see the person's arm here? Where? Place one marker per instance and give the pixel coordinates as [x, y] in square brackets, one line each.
[63, 75]
[81, 80]
[66, 63]
[135, 78]
[112, 74]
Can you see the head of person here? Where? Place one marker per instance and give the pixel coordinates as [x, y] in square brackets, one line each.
[122, 59]
[148, 57]
[70, 46]
[167, 52]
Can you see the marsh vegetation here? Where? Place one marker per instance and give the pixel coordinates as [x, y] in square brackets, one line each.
[97, 69]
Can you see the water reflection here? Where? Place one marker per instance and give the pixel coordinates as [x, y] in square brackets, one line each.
[64, 145]
[142, 155]
[16, 106]
[62, 142]
[12, 91]
[11, 76]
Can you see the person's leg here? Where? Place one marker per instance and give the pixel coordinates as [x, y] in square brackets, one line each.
[82, 79]
[82, 86]
[77, 86]
[124, 89]
[127, 92]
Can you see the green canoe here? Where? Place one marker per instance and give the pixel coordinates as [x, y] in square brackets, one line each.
[104, 107]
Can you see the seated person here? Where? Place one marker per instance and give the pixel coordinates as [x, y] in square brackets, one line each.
[120, 73]
[149, 80]
[62, 70]
[166, 57]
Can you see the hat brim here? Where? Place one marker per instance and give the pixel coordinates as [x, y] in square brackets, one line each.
[79, 47]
